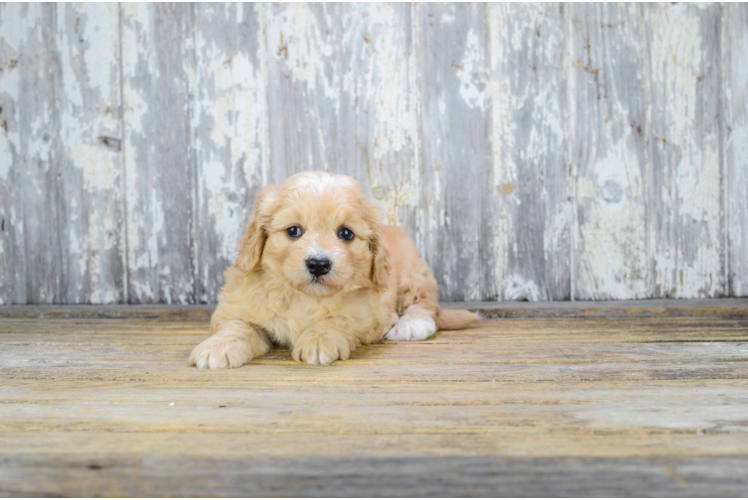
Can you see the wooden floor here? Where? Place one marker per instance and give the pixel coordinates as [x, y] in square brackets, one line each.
[630, 399]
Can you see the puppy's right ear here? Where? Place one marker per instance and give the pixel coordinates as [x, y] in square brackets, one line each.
[253, 241]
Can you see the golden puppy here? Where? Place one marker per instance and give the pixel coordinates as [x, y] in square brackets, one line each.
[318, 273]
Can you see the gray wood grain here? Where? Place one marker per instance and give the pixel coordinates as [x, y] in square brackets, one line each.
[303, 53]
[455, 163]
[377, 107]
[531, 184]
[341, 100]
[609, 102]
[533, 152]
[685, 196]
[735, 141]
[87, 100]
[230, 136]
[14, 34]
[157, 69]
[29, 171]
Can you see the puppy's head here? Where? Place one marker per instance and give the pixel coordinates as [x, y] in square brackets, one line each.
[317, 233]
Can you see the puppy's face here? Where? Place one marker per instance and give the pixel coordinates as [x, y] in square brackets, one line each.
[318, 234]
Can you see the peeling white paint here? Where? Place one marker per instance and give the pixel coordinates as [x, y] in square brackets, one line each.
[230, 140]
[6, 157]
[472, 73]
[527, 140]
[738, 202]
[612, 250]
[358, 86]
[518, 288]
[136, 38]
[734, 51]
[158, 147]
[688, 265]
[300, 43]
[88, 41]
[144, 289]
[377, 80]
[613, 239]
[103, 38]
[38, 141]
[234, 112]
[149, 255]
[448, 17]
[14, 33]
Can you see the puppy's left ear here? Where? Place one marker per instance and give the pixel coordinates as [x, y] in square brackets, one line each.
[253, 242]
[380, 266]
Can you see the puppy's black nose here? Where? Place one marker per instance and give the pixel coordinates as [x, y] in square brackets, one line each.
[318, 266]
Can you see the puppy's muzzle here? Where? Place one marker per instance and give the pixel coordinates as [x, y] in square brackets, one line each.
[318, 266]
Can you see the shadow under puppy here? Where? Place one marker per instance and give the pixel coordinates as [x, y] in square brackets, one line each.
[318, 273]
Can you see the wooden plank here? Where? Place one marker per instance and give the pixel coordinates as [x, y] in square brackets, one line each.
[357, 116]
[602, 346]
[686, 226]
[228, 411]
[719, 308]
[30, 245]
[107, 446]
[496, 352]
[302, 49]
[157, 62]
[87, 96]
[215, 108]
[13, 34]
[175, 312]
[528, 362]
[734, 52]
[457, 477]
[455, 166]
[724, 308]
[349, 111]
[609, 103]
[533, 219]
[535, 406]
[578, 331]
[378, 108]
[230, 135]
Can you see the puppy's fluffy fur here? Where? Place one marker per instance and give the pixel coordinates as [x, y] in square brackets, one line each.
[377, 285]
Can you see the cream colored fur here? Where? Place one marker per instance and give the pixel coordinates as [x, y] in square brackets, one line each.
[378, 285]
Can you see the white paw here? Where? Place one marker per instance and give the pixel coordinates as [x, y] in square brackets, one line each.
[221, 351]
[321, 349]
[410, 327]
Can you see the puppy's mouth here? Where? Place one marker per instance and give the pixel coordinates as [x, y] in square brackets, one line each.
[322, 282]
[320, 285]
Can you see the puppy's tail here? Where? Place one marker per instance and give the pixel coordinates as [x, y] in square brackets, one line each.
[455, 319]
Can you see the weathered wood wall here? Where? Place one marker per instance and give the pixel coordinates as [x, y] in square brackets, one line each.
[543, 151]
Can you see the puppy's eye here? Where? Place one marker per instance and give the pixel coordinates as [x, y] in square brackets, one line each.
[345, 234]
[294, 231]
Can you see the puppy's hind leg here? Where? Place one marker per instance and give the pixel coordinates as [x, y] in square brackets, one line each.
[418, 323]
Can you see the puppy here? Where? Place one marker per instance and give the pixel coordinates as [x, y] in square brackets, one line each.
[318, 273]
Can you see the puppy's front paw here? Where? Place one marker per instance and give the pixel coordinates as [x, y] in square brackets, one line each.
[221, 351]
[412, 327]
[320, 349]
